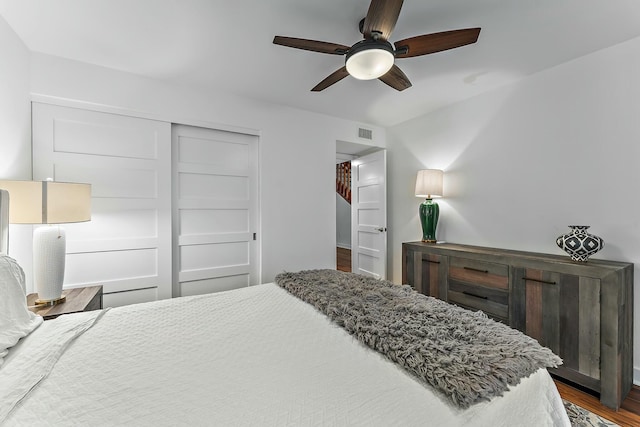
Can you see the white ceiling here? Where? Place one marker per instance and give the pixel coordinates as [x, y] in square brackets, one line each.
[227, 45]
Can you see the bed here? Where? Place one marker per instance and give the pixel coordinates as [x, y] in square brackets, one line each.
[256, 356]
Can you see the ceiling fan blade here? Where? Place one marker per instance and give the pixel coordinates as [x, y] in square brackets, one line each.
[396, 79]
[334, 77]
[381, 17]
[436, 42]
[312, 45]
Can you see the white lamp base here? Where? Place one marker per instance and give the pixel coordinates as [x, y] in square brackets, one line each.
[49, 250]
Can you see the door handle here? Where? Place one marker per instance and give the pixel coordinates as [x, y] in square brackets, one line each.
[381, 229]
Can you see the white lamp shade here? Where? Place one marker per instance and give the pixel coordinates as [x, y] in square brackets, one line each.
[369, 64]
[48, 202]
[429, 183]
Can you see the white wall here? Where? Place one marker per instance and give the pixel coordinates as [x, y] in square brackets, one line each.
[343, 211]
[15, 106]
[15, 128]
[343, 222]
[297, 150]
[521, 163]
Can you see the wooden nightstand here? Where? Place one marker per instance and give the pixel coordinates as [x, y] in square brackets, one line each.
[78, 300]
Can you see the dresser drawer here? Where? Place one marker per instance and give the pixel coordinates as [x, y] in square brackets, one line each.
[476, 272]
[493, 302]
[479, 285]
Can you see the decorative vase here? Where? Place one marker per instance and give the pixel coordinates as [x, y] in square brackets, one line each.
[579, 244]
[429, 212]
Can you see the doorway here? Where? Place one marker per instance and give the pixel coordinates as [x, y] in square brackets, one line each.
[349, 226]
[343, 211]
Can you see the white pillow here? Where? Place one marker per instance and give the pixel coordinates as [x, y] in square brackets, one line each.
[16, 321]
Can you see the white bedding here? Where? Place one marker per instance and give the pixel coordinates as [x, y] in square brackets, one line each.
[16, 321]
[255, 356]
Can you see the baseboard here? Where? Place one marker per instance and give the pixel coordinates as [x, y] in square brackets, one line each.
[343, 246]
[636, 376]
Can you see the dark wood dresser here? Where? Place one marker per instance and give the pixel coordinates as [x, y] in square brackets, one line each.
[582, 311]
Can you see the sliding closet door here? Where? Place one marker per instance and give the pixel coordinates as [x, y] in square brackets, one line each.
[126, 247]
[215, 210]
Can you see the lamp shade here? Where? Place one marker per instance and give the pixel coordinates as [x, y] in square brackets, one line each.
[48, 202]
[429, 183]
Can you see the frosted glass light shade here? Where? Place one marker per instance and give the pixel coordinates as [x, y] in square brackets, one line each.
[370, 59]
[429, 183]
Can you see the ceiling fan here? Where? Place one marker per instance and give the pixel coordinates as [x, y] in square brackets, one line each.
[374, 57]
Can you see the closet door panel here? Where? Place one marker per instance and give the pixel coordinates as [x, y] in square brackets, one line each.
[130, 182]
[126, 247]
[215, 210]
[111, 136]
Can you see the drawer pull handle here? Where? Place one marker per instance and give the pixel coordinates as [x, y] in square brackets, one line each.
[432, 262]
[548, 282]
[474, 295]
[476, 269]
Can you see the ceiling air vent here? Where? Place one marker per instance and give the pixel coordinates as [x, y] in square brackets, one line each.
[365, 133]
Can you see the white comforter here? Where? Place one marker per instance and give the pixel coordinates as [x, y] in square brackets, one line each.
[255, 356]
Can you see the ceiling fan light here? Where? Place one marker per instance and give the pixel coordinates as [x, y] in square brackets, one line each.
[369, 61]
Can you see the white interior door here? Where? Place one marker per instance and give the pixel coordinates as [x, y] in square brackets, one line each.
[369, 215]
[126, 247]
[215, 214]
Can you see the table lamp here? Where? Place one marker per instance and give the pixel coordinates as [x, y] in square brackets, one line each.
[429, 185]
[48, 202]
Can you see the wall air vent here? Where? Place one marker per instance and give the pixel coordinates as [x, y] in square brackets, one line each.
[365, 133]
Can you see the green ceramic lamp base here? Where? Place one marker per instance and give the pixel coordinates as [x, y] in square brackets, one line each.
[429, 212]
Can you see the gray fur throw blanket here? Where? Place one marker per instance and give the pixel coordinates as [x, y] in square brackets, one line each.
[465, 355]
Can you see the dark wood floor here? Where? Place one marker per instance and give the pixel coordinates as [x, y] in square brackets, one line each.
[343, 262]
[628, 415]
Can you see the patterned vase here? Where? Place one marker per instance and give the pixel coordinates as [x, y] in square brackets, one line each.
[579, 244]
